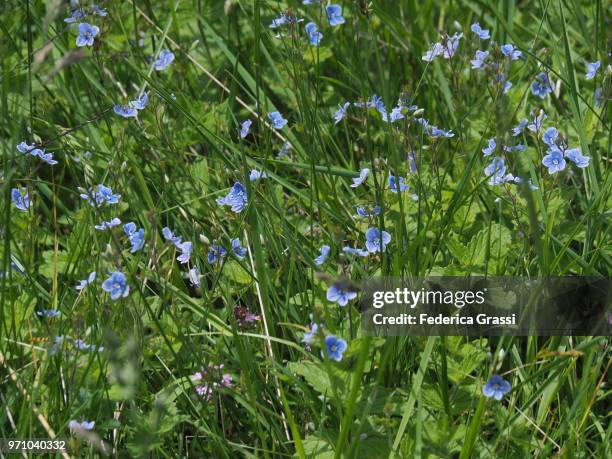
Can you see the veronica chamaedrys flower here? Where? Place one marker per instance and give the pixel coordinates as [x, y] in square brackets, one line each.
[102, 194]
[488, 151]
[87, 32]
[48, 313]
[334, 14]
[245, 127]
[592, 69]
[496, 387]
[216, 253]
[194, 277]
[554, 160]
[237, 248]
[126, 111]
[396, 114]
[496, 171]
[479, 59]
[109, 224]
[116, 285]
[520, 181]
[362, 212]
[46, 157]
[323, 256]
[22, 201]
[354, 251]
[83, 425]
[169, 236]
[397, 184]
[542, 85]
[284, 151]
[75, 16]
[237, 198]
[517, 147]
[164, 60]
[341, 113]
[363, 176]
[185, 249]
[452, 43]
[255, 175]
[136, 237]
[536, 124]
[340, 293]
[99, 11]
[550, 136]
[85, 282]
[25, 148]
[437, 132]
[483, 34]
[434, 51]
[141, 102]
[599, 100]
[309, 336]
[278, 122]
[335, 347]
[279, 21]
[376, 240]
[313, 34]
[511, 52]
[575, 156]
[520, 127]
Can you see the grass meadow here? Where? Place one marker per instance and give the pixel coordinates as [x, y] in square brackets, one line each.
[193, 190]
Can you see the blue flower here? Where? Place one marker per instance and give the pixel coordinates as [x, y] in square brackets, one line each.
[518, 147]
[520, 181]
[487, 151]
[511, 52]
[362, 212]
[334, 14]
[185, 249]
[169, 236]
[164, 60]
[85, 425]
[340, 293]
[237, 198]
[126, 111]
[575, 156]
[496, 171]
[85, 282]
[116, 285]
[396, 185]
[519, 128]
[46, 157]
[483, 34]
[101, 195]
[48, 313]
[376, 241]
[592, 69]
[216, 253]
[550, 136]
[194, 277]
[278, 122]
[335, 347]
[452, 43]
[363, 176]
[255, 175]
[245, 127]
[75, 16]
[309, 337]
[542, 85]
[434, 131]
[284, 151]
[554, 160]
[21, 201]
[311, 2]
[313, 34]
[341, 113]
[109, 224]
[536, 125]
[141, 102]
[412, 162]
[479, 59]
[87, 32]
[354, 251]
[25, 148]
[507, 86]
[434, 51]
[99, 11]
[396, 114]
[599, 100]
[279, 21]
[496, 387]
[136, 237]
[324, 254]
[237, 248]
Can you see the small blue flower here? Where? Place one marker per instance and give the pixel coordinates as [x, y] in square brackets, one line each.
[109, 224]
[554, 160]
[335, 347]
[25, 148]
[194, 277]
[48, 313]
[520, 181]
[362, 212]
[507, 86]
[279, 21]
[592, 69]
[185, 249]
[141, 102]
[164, 60]
[334, 14]
[511, 52]
[550, 136]
[101, 195]
[116, 285]
[87, 32]
[488, 151]
[85, 282]
[126, 111]
[434, 131]
[536, 125]
[434, 51]
[216, 253]
[479, 59]
[452, 43]
[324, 254]
[575, 156]
[396, 185]
[136, 237]
[309, 337]
[341, 113]
[599, 100]
[396, 114]
[412, 162]
[22, 201]
[376, 241]
[255, 175]
[483, 34]
[313, 34]
[363, 176]
[520, 127]
[237, 248]
[340, 293]
[518, 147]
[99, 11]
[169, 236]
[237, 198]
[46, 157]
[84, 425]
[75, 16]
[542, 85]
[496, 387]
[354, 251]
[245, 127]
[496, 171]
[278, 122]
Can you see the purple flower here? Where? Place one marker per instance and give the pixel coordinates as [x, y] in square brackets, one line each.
[141, 102]
[22, 201]
[483, 34]
[236, 199]
[126, 111]
[376, 241]
[452, 43]
[335, 347]
[511, 52]
[194, 276]
[496, 171]
[341, 113]
[592, 69]
[83, 425]
[169, 236]
[434, 51]
[496, 387]
[245, 127]
[164, 60]
[216, 253]
[479, 59]
[536, 125]
[87, 32]
[25, 148]
[542, 85]
[185, 249]
[397, 184]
